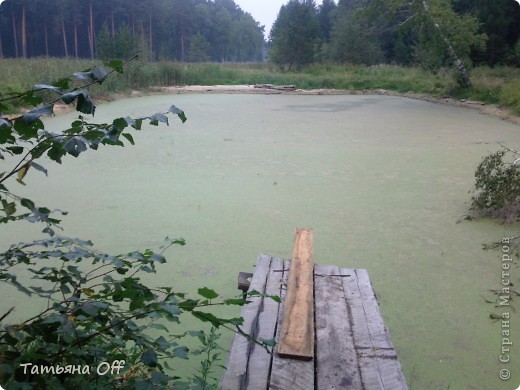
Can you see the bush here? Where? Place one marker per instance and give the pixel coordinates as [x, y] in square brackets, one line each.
[497, 185]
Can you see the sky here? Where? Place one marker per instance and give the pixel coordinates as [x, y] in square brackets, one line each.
[264, 11]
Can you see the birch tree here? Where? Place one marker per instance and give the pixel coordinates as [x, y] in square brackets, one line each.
[443, 35]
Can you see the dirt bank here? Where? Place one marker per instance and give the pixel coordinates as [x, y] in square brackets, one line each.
[489, 109]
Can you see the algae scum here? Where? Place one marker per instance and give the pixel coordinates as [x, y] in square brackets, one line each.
[383, 181]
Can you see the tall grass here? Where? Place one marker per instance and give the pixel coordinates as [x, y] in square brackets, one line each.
[500, 85]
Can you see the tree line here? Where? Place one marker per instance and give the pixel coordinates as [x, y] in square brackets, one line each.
[431, 33]
[183, 30]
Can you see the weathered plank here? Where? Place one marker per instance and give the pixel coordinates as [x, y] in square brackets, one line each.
[259, 359]
[353, 346]
[297, 334]
[235, 376]
[244, 281]
[289, 373]
[336, 359]
[378, 364]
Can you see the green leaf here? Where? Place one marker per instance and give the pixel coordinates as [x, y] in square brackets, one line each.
[85, 105]
[40, 87]
[71, 96]
[15, 149]
[27, 203]
[235, 301]
[129, 138]
[172, 309]
[99, 74]
[31, 116]
[75, 146]
[6, 132]
[30, 129]
[179, 113]
[53, 318]
[95, 75]
[4, 123]
[156, 118]
[149, 358]
[9, 207]
[208, 317]
[138, 123]
[268, 342]
[160, 327]
[207, 293]
[29, 99]
[117, 65]
[120, 124]
[62, 84]
[89, 309]
[181, 352]
[56, 152]
[38, 167]
[158, 258]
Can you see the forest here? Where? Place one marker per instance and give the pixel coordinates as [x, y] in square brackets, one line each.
[485, 32]
[430, 33]
[182, 30]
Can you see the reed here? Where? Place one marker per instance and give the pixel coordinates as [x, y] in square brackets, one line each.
[499, 85]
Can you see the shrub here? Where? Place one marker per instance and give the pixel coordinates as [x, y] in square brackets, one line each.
[497, 185]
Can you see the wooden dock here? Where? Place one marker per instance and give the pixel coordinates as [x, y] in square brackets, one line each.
[351, 345]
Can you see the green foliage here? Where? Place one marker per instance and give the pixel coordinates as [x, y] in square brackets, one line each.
[295, 36]
[159, 29]
[211, 353]
[460, 30]
[99, 313]
[353, 41]
[510, 96]
[121, 45]
[497, 185]
[199, 49]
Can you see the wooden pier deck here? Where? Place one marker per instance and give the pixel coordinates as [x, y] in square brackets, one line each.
[351, 345]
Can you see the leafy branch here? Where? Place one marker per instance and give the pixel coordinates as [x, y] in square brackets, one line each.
[98, 309]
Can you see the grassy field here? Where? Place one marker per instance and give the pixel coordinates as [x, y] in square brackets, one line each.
[499, 85]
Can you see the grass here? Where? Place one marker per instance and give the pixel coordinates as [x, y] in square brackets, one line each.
[500, 85]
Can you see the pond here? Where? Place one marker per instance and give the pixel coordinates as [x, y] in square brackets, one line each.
[383, 181]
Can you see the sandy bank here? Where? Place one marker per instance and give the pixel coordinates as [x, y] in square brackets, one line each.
[489, 109]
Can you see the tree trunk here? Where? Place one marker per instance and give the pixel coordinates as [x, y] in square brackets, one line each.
[24, 33]
[113, 24]
[64, 34]
[183, 50]
[46, 40]
[150, 36]
[15, 35]
[457, 62]
[91, 31]
[1, 48]
[75, 38]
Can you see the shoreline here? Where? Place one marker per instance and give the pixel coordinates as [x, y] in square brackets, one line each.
[488, 109]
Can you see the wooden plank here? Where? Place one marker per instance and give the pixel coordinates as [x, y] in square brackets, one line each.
[297, 334]
[259, 359]
[378, 364]
[289, 373]
[244, 281]
[336, 359]
[235, 376]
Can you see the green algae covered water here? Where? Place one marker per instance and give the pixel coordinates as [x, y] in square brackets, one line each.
[383, 181]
